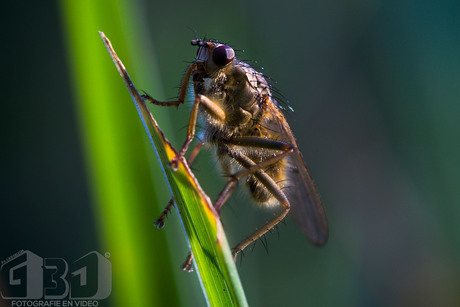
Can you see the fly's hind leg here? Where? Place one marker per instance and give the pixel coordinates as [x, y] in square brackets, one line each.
[257, 170]
[250, 167]
[276, 191]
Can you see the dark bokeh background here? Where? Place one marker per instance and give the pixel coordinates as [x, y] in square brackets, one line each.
[45, 204]
[375, 88]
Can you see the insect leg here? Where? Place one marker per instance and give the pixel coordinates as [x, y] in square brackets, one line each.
[276, 191]
[259, 142]
[251, 141]
[250, 167]
[267, 181]
[194, 153]
[211, 108]
[187, 265]
[182, 91]
[159, 223]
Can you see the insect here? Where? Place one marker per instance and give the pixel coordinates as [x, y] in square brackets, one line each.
[252, 139]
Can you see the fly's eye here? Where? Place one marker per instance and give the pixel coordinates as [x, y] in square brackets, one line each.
[223, 55]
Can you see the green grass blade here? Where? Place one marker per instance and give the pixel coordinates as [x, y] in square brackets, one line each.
[117, 160]
[213, 259]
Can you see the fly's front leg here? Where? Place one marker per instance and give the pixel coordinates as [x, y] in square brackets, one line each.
[182, 91]
[209, 107]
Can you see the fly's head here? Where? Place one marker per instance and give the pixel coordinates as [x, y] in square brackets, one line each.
[213, 59]
[230, 83]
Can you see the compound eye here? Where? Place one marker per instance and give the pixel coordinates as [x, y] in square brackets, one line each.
[223, 55]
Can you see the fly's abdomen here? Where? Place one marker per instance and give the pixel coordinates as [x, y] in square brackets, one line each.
[259, 191]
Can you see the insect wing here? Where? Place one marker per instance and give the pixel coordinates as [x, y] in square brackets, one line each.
[301, 191]
[305, 202]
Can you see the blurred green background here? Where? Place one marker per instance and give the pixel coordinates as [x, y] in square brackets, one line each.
[375, 88]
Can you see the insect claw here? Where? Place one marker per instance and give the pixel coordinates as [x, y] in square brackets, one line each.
[174, 163]
[187, 265]
[160, 223]
[145, 96]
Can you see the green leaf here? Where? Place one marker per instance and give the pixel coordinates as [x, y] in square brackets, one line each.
[213, 258]
[114, 144]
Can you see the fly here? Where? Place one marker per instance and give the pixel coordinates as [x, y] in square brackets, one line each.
[251, 138]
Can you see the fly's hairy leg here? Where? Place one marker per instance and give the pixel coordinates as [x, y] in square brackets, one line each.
[257, 169]
[180, 100]
[182, 91]
[211, 108]
[276, 191]
[250, 167]
[187, 265]
[159, 223]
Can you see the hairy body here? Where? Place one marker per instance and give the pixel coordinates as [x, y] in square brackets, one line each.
[252, 139]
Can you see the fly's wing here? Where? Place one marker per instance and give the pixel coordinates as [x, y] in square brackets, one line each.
[304, 199]
[300, 190]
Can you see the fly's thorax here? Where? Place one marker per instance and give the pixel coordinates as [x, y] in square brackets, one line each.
[209, 85]
[231, 91]
[255, 79]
